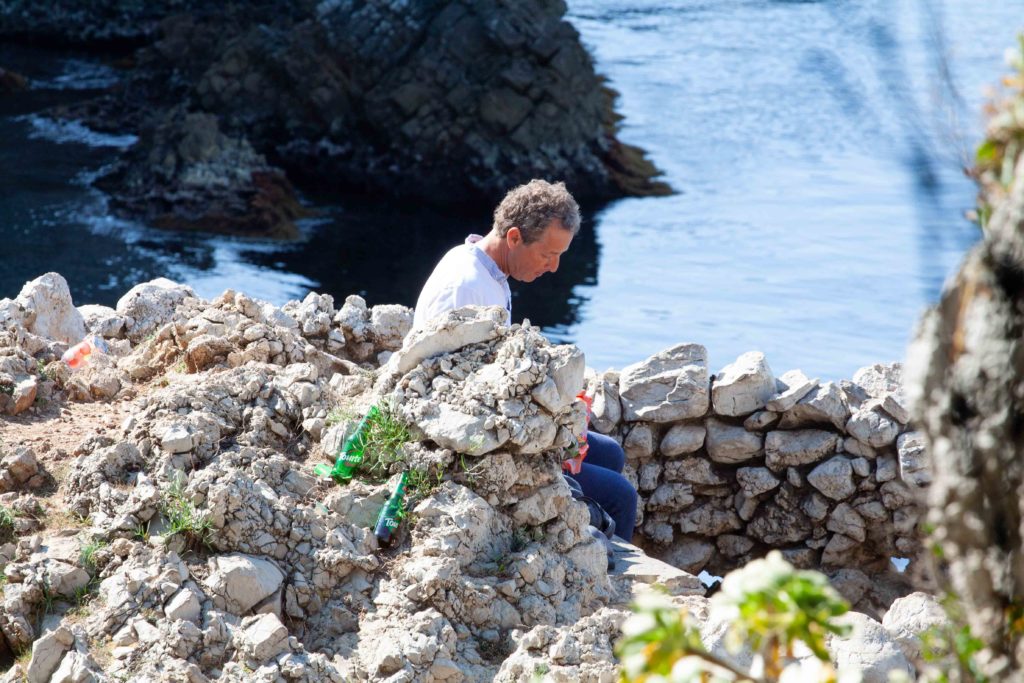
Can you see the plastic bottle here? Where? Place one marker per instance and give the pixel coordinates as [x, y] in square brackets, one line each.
[390, 517]
[351, 453]
[78, 355]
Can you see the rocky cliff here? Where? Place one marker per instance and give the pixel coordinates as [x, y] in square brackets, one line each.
[447, 102]
[162, 522]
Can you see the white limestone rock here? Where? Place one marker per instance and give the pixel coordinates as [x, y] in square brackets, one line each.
[834, 478]
[845, 520]
[639, 442]
[910, 616]
[728, 443]
[47, 653]
[790, 388]
[880, 379]
[49, 311]
[184, 605]
[682, 438]
[824, 405]
[669, 386]
[150, 305]
[870, 425]
[76, 668]
[264, 637]
[869, 649]
[102, 321]
[671, 497]
[915, 465]
[606, 410]
[177, 439]
[239, 582]
[761, 421]
[743, 386]
[756, 480]
[799, 447]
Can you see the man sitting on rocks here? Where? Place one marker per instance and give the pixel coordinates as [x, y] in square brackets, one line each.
[533, 226]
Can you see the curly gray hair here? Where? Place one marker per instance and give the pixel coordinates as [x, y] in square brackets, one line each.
[532, 207]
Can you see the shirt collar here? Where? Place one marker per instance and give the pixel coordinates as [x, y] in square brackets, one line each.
[487, 261]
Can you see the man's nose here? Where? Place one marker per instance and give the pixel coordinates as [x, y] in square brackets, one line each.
[554, 264]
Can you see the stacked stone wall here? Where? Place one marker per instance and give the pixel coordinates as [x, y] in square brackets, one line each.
[731, 465]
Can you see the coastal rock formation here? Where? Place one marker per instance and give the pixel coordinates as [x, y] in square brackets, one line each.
[208, 549]
[185, 174]
[443, 102]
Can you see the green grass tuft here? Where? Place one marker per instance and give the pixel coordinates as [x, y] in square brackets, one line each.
[184, 518]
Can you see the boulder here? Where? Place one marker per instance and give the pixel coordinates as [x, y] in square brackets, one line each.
[800, 447]
[49, 311]
[845, 520]
[728, 443]
[669, 386]
[756, 480]
[869, 649]
[790, 388]
[102, 321]
[909, 617]
[184, 605]
[823, 405]
[881, 379]
[47, 653]
[870, 425]
[150, 305]
[682, 438]
[639, 442]
[265, 637]
[239, 582]
[744, 386]
[834, 478]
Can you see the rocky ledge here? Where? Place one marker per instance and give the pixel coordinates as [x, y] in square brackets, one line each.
[164, 522]
[446, 102]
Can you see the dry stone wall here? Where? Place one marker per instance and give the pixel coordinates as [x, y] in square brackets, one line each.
[733, 464]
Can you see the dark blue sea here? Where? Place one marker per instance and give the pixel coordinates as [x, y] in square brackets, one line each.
[817, 150]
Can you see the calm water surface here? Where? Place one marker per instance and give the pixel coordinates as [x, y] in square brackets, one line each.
[816, 148]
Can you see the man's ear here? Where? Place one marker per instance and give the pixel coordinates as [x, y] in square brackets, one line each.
[514, 236]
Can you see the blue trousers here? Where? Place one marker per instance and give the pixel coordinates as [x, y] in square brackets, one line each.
[601, 479]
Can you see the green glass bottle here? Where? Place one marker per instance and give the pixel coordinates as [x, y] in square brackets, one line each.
[390, 517]
[351, 453]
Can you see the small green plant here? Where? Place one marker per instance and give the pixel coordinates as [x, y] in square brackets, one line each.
[385, 436]
[6, 524]
[184, 518]
[339, 415]
[141, 532]
[42, 371]
[88, 555]
[771, 606]
[421, 482]
[7, 389]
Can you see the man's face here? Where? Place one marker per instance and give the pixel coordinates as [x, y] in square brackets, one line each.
[527, 262]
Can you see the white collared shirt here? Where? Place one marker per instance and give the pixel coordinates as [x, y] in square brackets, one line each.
[465, 276]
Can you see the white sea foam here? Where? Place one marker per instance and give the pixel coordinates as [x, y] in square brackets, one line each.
[74, 132]
[79, 75]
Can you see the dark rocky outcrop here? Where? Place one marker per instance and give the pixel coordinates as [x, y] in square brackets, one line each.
[11, 81]
[450, 101]
[187, 174]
